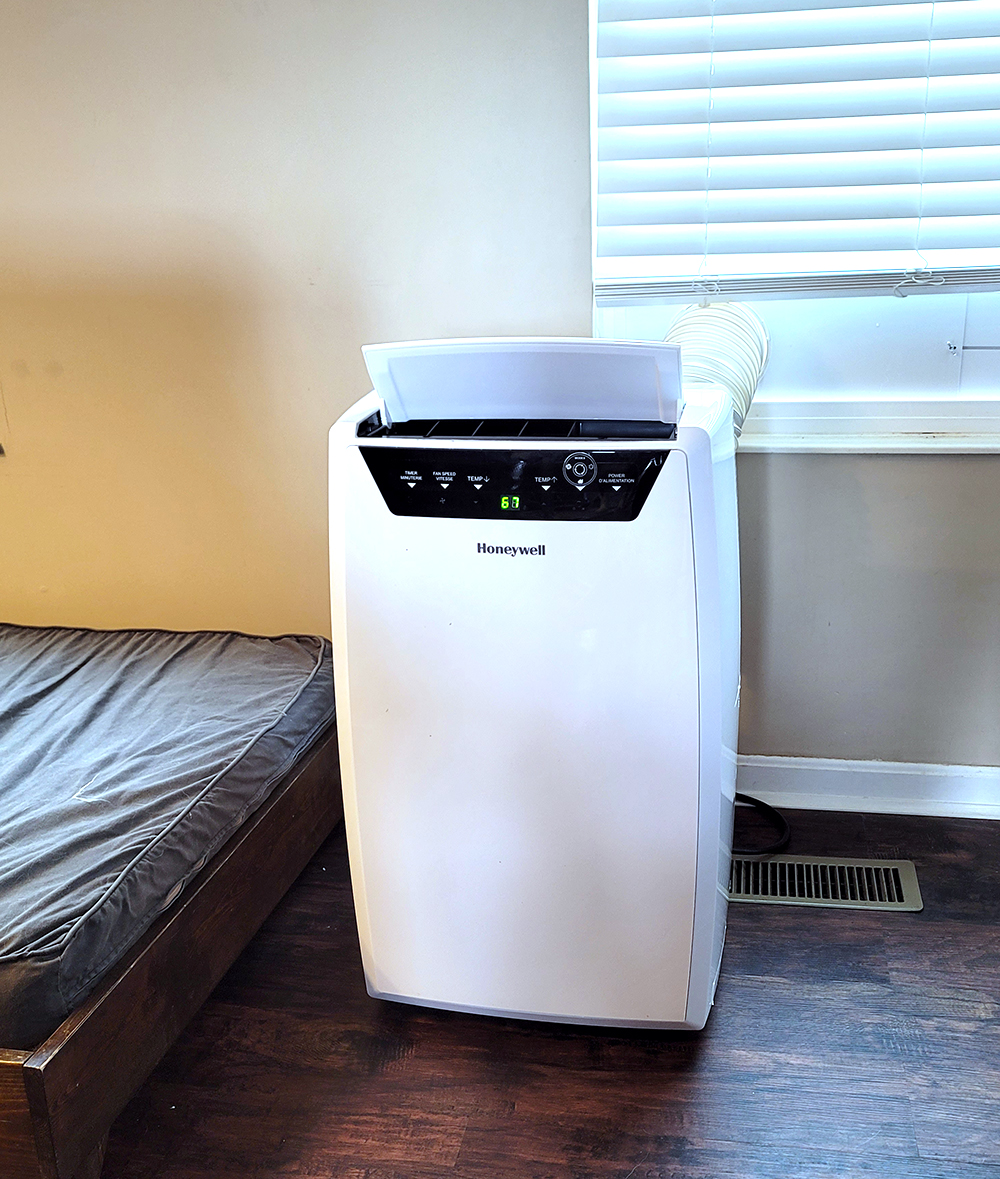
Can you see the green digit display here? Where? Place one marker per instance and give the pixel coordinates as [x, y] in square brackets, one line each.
[510, 503]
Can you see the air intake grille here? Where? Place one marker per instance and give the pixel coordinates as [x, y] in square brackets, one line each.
[814, 880]
[506, 428]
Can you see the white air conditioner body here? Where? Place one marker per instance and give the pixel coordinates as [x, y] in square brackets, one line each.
[537, 670]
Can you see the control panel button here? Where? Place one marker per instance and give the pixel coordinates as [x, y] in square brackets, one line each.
[579, 469]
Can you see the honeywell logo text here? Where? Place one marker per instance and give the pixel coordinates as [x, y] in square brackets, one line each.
[512, 550]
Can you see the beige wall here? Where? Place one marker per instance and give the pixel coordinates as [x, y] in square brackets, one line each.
[207, 207]
[871, 606]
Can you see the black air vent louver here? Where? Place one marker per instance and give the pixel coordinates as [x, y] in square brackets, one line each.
[502, 428]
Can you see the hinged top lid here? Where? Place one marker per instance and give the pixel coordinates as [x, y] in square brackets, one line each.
[527, 377]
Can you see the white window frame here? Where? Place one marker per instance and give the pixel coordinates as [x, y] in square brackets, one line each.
[873, 426]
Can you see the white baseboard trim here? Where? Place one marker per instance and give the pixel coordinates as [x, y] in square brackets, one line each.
[880, 787]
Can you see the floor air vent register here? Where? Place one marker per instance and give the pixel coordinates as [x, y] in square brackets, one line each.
[826, 881]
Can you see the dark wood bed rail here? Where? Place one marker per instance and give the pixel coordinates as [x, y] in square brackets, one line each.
[57, 1103]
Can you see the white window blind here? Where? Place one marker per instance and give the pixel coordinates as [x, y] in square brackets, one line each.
[755, 147]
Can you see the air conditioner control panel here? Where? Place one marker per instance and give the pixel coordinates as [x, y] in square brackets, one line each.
[495, 484]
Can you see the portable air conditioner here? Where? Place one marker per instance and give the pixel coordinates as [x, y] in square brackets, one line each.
[536, 633]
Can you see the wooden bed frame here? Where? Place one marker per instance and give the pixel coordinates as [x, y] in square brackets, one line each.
[57, 1103]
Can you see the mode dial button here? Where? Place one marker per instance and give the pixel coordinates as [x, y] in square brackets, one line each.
[579, 469]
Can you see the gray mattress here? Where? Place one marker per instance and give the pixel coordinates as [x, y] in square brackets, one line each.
[127, 758]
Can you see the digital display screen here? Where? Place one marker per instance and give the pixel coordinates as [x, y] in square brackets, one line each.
[510, 503]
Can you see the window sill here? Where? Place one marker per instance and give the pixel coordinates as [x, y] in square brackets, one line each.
[892, 426]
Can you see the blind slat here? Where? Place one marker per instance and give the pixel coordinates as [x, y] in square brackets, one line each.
[803, 100]
[786, 237]
[802, 28]
[852, 26]
[623, 10]
[801, 204]
[802, 267]
[831, 63]
[938, 165]
[781, 136]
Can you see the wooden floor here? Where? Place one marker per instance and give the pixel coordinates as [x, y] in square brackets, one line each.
[842, 1043]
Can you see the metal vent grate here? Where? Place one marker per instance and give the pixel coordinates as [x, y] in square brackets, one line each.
[827, 881]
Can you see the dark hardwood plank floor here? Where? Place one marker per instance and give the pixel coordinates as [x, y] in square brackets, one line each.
[842, 1044]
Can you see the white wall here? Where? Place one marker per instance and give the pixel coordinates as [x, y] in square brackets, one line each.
[871, 607]
[206, 207]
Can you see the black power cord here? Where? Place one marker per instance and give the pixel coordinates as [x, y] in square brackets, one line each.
[778, 821]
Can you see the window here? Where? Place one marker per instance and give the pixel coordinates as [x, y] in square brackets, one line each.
[790, 153]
